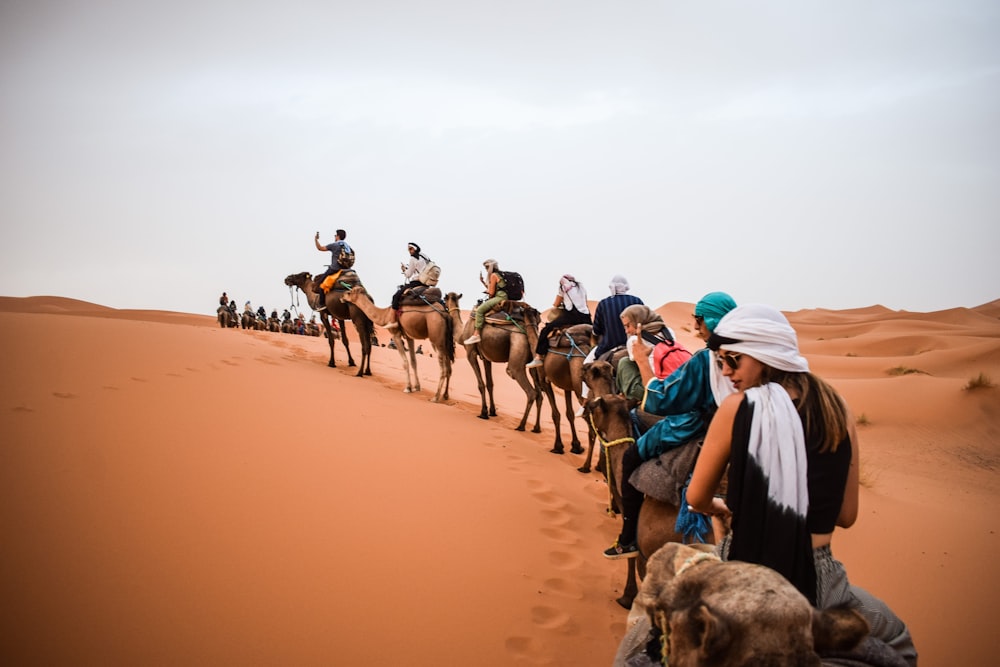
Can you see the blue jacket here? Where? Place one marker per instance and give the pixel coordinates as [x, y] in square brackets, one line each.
[685, 401]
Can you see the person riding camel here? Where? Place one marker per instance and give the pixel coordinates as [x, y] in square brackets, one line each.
[411, 273]
[336, 250]
[495, 293]
[571, 301]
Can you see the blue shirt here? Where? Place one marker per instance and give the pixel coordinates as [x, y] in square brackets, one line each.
[685, 401]
[608, 323]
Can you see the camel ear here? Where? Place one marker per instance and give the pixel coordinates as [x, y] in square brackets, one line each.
[837, 629]
[713, 632]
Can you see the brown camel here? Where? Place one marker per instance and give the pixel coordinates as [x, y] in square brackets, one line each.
[508, 343]
[612, 421]
[226, 318]
[600, 380]
[733, 614]
[339, 309]
[563, 368]
[432, 321]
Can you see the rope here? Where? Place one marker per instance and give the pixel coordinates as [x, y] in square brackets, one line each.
[573, 347]
[662, 619]
[607, 445]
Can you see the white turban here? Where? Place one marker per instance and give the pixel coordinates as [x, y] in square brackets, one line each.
[763, 333]
[618, 284]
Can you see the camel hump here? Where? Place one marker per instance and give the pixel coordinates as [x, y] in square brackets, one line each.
[420, 295]
[347, 279]
[579, 334]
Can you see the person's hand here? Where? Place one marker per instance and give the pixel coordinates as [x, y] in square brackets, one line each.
[402, 268]
[640, 348]
[481, 278]
[317, 236]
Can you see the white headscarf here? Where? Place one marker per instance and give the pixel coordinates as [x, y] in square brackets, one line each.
[573, 293]
[763, 333]
[618, 284]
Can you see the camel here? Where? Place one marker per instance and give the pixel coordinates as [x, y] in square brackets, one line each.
[430, 321]
[610, 417]
[226, 318]
[704, 611]
[339, 309]
[247, 320]
[563, 368]
[508, 343]
[600, 380]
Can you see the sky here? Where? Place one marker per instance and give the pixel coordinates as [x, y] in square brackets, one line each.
[805, 154]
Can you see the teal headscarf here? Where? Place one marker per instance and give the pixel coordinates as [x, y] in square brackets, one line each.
[712, 307]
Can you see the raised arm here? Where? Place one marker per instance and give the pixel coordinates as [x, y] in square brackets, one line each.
[713, 459]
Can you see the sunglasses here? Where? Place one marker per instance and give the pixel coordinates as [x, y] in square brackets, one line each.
[699, 320]
[732, 360]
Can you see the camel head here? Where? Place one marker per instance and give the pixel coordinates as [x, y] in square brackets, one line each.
[599, 376]
[608, 409]
[531, 316]
[352, 295]
[732, 613]
[451, 300]
[298, 279]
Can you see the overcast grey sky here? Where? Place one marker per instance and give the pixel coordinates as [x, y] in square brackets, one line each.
[804, 154]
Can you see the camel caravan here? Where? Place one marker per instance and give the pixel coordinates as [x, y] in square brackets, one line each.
[648, 404]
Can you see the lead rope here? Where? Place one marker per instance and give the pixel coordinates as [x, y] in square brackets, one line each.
[662, 622]
[607, 445]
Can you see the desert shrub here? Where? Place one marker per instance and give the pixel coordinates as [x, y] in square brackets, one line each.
[981, 381]
[863, 420]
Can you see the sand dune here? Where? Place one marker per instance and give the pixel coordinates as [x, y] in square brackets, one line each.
[172, 494]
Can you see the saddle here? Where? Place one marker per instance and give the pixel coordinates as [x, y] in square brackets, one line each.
[666, 476]
[341, 281]
[579, 334]
[421, 295]
[506, 313]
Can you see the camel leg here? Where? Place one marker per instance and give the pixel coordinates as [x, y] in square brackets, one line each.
[591, 438]
[473, 357]
[538, 401]
[325, 319]
[519, 375]
[444, 366]
[412, 382]
[488, 369]
[631, 586]
[575, 447]
[347, 346]
[557, 446]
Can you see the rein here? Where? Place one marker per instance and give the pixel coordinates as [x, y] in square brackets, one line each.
[573, 348]
[662, 622]
[607, 445]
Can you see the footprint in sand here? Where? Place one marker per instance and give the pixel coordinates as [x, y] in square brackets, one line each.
[62, 394]
[564, 560]
[110, 387]
[564, 588]
[561, 535]
[550, 618]
[135, 379]
[550, 499]
[520, 647]
[559, 518]
[22, 408]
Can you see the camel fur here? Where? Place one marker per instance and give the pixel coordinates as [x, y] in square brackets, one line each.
[730, 614]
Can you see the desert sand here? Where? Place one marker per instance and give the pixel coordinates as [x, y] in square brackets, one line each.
[176, 493]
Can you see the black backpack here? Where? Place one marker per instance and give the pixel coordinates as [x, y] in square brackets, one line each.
[515, 285]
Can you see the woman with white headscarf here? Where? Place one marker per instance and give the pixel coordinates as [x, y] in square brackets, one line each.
[571, 303]
[789, 444]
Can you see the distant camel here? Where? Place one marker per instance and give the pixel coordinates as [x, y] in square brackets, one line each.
[433, 321]
[505, 343]
[247, 320]
[600, 380]
[226, 318]
[339, 309]
[563, 367]
[657, 519]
